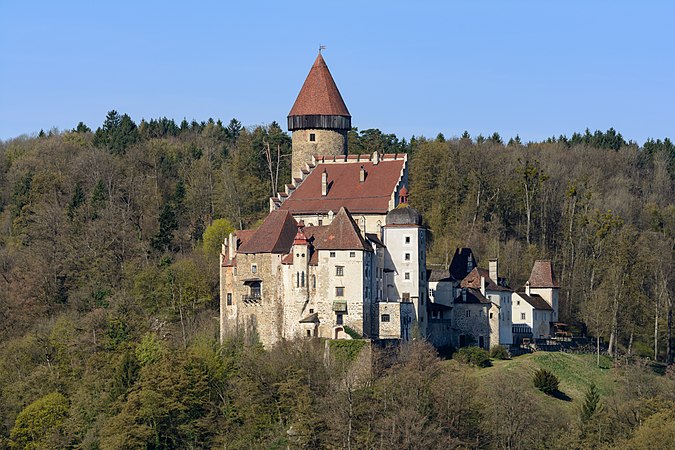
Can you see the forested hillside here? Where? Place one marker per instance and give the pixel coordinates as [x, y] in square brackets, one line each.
[109, 244]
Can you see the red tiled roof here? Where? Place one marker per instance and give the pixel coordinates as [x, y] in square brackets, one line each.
[542, 275]
[472, 280]
[319, 94]
[342, 234]
[275, 235]
[243, 236]
[345, 190]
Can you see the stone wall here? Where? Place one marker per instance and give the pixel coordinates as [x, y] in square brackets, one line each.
[475, 324]
[327, 142]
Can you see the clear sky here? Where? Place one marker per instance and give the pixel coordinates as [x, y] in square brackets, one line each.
[533, 68]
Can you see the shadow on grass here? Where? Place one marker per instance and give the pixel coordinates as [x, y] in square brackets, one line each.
[560, 395]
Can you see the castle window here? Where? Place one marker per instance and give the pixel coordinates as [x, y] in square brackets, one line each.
[254, 268]
[309, 333]
[255, 289]
[338, 319]
[340, 291]
[522, 316]
[407, 239]
[229, 298]
[352, 254]
[332, 254]
[468, 313]
[320, 222]
[312, 137]
[385, 318]
[302, 279]
[339, 271]
[311, 311]
[407, 256]
[406, 275]
[518, 302]
[405, 296]
[313, 281]
[490, 315]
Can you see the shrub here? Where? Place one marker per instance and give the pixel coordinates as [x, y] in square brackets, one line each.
[500, 352]
[474, 356]
[546, 381]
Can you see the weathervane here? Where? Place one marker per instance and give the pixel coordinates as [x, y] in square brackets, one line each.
[321, 47]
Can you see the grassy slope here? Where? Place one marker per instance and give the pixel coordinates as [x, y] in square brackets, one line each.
[575, 372]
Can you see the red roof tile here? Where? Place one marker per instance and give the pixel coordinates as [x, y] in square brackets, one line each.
[345, 190]
[542, 275]
[319, 94]
[342, 234]
[275, 235]
[472, 280]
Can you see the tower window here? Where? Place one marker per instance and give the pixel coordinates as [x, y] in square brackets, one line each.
[339, 271]
[385, 318]
[407, 275]
[407, 239]
[254, 268]
[229, 298]
[407, 256]
[312, 137]
[340, 291]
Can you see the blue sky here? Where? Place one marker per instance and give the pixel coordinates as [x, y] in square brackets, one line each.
[533, 68]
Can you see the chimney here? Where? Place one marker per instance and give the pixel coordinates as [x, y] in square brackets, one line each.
[482, 285]
[494, 273]
[376, 158]
[527, 287]
[362, 175]
[324, 183]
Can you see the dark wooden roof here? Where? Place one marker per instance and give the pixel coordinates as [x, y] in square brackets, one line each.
[319, 94]
[458, 265]
[536, 301]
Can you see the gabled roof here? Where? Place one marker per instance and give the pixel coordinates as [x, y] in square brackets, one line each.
[319, 94]
[472, 296]
[472, 280]
[459, 263]
[275, 235]
[341, 234]
[536, 301]
[438, 275]
[542, 275]
[371, 196]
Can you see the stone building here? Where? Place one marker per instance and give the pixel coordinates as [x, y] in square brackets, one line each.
[341, 253]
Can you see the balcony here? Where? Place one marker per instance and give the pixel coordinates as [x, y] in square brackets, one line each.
[250, 299]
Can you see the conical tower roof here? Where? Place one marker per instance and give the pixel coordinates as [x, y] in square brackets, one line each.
[319, 94]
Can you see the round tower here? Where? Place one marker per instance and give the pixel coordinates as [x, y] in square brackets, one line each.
[319, 119]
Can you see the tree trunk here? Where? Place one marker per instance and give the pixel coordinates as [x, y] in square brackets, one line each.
[656, 330]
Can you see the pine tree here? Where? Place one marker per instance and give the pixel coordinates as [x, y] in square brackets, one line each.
[591, 403]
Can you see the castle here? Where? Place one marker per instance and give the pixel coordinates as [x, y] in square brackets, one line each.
[342, 255]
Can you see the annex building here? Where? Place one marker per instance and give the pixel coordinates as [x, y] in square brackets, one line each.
[342, 254]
